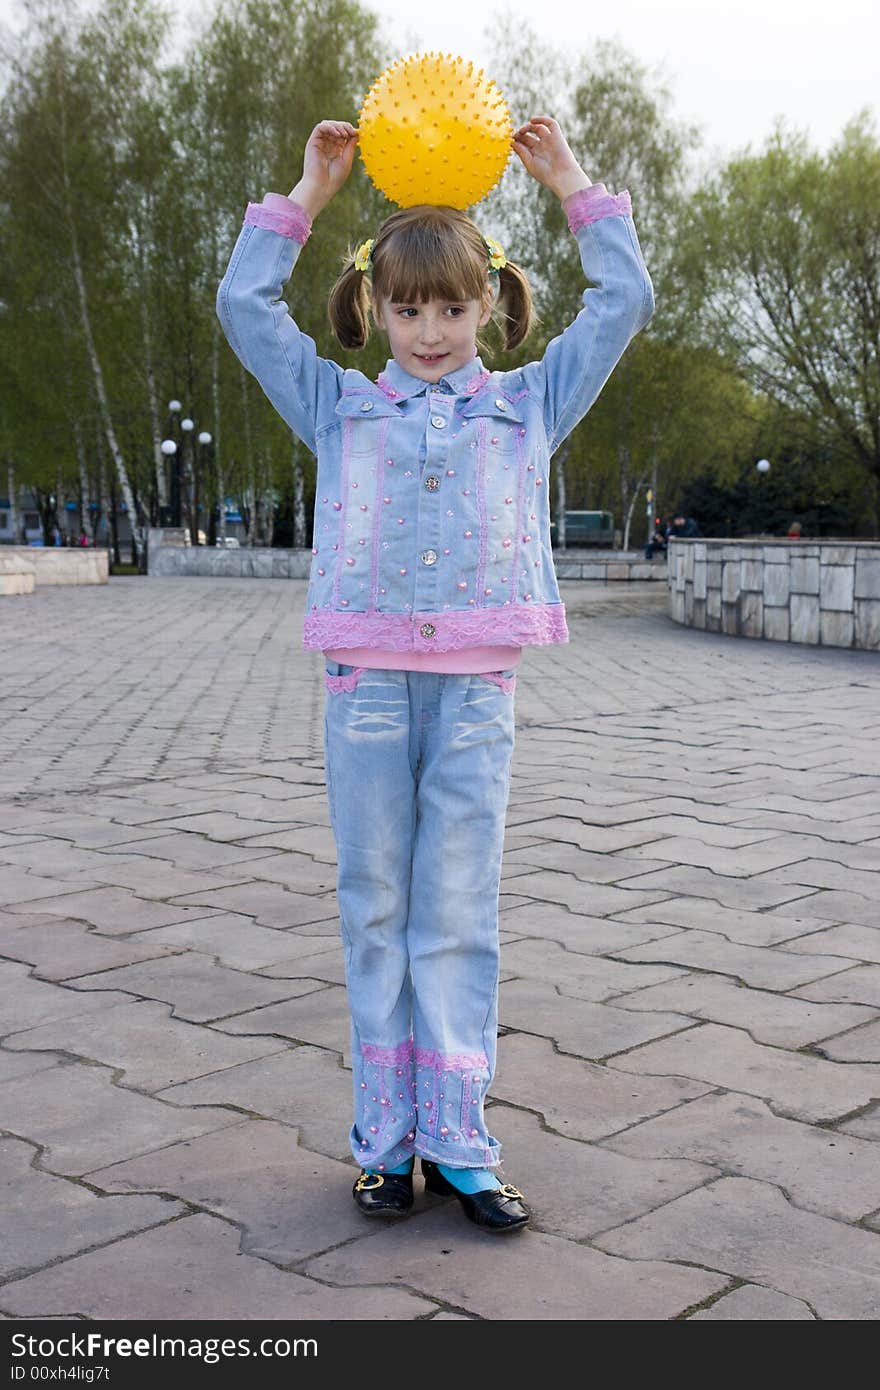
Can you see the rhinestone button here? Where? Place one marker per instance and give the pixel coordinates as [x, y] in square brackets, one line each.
[427, 629]
[432, 482]
[502, 405]
[429, 557]
[438, 422]
[366, 405]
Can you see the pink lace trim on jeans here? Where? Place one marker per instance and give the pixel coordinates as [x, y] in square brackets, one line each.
[339, 685]
[590, 204]
[388, 1056]
[295, 224]
[505, 683]
[452, 1061]
[513, 624]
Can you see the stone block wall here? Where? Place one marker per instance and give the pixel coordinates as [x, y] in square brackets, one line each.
[823, 593]
[53, 565]
[169, 556]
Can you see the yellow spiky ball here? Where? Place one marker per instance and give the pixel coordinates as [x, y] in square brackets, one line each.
[434, 129]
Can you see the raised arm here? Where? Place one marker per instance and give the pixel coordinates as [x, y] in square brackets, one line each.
[577, 363]
[303, 386]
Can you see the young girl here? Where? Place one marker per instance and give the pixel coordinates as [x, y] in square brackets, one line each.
[431, 570]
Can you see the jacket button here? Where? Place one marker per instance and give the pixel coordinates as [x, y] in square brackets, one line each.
[432, 482]
[439, 422]
[427, 629]
[502, 405]
[429, 557]
[366, 405]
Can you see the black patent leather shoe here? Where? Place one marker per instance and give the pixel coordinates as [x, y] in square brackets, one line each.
[498, 1210]
[383, 1194]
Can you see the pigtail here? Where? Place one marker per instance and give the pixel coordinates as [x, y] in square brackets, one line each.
[348, 308]
[514, 311]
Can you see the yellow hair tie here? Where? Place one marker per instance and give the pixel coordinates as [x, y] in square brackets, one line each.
[362, 257]
[497, 258]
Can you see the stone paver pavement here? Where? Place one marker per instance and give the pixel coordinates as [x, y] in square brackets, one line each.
[688, 1080]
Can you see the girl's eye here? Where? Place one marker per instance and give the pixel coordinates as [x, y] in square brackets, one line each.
[405, 313]
[455, 310]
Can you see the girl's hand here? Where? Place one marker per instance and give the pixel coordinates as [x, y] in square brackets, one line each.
[326, 164]
[546, 154]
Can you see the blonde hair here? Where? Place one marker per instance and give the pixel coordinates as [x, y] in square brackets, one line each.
[422, 253]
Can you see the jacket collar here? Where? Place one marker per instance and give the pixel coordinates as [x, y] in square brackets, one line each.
[400, 385]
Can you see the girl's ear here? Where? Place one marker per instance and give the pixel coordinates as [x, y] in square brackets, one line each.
[376, 311]
[485, 316]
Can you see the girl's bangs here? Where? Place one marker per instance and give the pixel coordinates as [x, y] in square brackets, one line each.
[420, 266]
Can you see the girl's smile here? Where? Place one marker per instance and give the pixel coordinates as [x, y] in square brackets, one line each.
[432, 338]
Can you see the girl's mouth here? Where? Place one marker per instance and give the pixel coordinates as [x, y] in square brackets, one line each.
[430, 358]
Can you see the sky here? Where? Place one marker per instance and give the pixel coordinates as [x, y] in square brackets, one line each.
[732, 68]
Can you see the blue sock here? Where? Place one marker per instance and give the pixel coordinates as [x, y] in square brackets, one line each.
[470, 1179]
[406, 1167]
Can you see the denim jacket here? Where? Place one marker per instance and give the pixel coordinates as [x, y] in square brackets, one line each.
[432, 513]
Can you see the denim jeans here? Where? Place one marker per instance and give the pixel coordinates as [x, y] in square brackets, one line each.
[418, 776]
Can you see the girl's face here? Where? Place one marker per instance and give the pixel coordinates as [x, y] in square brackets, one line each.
[431, 339]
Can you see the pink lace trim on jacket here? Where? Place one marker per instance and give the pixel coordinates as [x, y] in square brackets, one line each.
[518, 624]
[295, 224]
[590, 204]
[454, 1061]
[387, 1056]
[341, 685]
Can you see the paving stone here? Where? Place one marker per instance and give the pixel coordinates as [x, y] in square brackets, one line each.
[859, 1045]
[749, 1230]
[235, 941]
[765, 969]
[25, 1001]
[64, 948]
[781, 1021]
[544, 1276]
[753, 1303]
[749, 928]
[12, 1064]
[115, 911]
[584, 864]
[302, 1086]
[188, 851]
[817, 1168]
[218, 825]
[321, 1016]
[194, 1269]
[90, 832]
[196, 986]
[151, 879]
[327, 966]
[83, 1119]
[299, 872]
[702, 883]
[289, 1202]
[795, 1084]
[860, 985]
[579, 1099]
[594, 899]
[18, 887]
[598, 839]
[856, 940]
[576, 932]
[268, 904]
[740, 861]
[67, 860]
[577, 1189]
[146, 1043]
[47, 1218]
[583, 976]
[577, 1026]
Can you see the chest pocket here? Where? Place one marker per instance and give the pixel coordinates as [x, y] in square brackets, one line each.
[501, 419]
[367, 417]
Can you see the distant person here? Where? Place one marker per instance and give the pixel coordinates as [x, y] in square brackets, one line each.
[683, 528]
[794, 531]
[658, 538]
